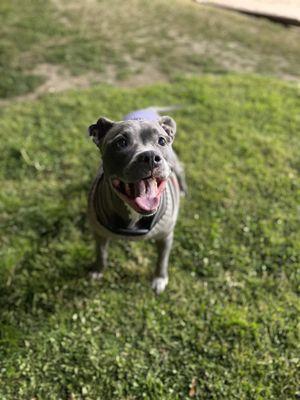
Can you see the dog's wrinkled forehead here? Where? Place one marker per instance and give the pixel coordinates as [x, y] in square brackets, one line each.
[139, 129]
[104, 130]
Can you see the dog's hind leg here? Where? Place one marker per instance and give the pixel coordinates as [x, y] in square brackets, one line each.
[161, 278]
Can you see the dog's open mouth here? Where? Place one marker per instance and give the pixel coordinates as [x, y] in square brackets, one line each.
[143, 196]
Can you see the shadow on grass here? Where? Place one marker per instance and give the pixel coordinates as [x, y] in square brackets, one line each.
[53, 275]
[50, 249]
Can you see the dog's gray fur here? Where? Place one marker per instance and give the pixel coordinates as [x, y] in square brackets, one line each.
[107, 210]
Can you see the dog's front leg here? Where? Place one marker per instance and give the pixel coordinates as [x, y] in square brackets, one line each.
[161, 278]
[101, 257]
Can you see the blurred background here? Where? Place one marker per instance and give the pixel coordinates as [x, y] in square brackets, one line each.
[49, 46]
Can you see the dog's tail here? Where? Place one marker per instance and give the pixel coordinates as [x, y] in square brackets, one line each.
[174, 107]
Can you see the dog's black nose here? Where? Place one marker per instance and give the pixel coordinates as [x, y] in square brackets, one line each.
[149, 158]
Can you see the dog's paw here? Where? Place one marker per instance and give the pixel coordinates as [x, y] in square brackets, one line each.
[96, 275]
[159, 284]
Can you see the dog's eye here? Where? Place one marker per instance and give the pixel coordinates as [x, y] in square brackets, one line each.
[122, 143]
[162, 141]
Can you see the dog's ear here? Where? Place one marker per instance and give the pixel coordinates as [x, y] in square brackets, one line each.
[169, 126]
[100, 129]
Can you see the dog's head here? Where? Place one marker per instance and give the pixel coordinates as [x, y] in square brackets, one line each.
[136, 158]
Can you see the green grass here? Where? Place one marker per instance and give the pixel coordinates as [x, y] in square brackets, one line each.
[230, 316]
[119, 41]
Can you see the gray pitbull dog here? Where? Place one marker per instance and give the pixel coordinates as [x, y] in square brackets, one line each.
[136, 192]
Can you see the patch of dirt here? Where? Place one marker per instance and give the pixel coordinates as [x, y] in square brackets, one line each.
[149, 75]
[74, 5]
[58, 79]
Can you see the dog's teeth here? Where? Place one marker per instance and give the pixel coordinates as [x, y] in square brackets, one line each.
[116, 182]
[127, 189]
[151, 185]
[141, 188]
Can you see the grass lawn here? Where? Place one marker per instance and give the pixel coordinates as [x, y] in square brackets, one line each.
[228, 325]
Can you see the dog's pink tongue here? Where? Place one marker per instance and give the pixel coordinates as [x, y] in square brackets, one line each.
[148, 199]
